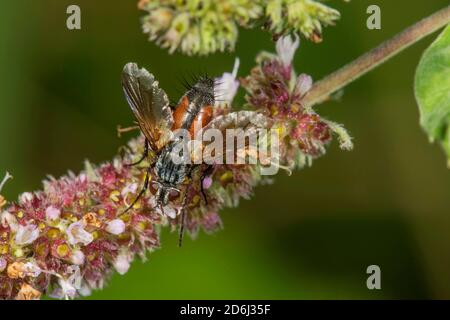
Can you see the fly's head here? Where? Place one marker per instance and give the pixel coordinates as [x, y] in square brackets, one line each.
[164, 193]
[203, 91]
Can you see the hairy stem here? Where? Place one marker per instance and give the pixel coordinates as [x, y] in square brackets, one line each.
[322, 89]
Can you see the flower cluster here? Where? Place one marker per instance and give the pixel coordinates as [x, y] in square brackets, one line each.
[274, 89]
[206, 26]
[67, 239]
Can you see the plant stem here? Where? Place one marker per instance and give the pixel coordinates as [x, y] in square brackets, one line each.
[322, 89]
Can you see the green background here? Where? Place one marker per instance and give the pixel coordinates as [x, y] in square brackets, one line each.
[311, 235]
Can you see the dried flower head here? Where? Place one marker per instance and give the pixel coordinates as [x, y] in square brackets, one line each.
[69, 238]
[200, 27]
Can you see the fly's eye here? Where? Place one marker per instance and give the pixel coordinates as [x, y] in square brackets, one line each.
[154, 187]
[173, 194]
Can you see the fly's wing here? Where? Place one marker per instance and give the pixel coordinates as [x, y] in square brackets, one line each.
[149, 103]
[249, 121]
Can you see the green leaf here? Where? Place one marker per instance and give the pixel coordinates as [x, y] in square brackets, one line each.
[432, 87]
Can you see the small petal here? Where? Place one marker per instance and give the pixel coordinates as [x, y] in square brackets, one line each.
[25, 197]
[129, 188]
[70, 285]
[9, 220]
[115, 226]
[286, 49]
[227, 85]
[303, 85]
[168, 210]
[77, 234]
[207, 182]
[31, 269]
[85, 290]
[77, 257]
[52, 213]
[26, 234]
[122, 262]
[3, 264]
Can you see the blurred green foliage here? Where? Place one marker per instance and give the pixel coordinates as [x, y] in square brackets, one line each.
[311, 235]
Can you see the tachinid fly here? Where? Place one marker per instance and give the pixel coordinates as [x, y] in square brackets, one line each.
[158, 122]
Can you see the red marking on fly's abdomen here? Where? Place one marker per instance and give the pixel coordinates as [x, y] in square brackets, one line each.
[202, 119]
[179, 113]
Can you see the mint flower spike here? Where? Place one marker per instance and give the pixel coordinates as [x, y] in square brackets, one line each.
[274, 89]
[202, 27]
[68, 239]
[303, 16]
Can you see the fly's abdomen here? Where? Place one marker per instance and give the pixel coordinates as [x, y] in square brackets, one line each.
[195, 109]
[171, 168]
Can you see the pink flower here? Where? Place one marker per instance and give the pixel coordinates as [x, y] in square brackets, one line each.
[207, 182]
[52, 213]
[3, 264]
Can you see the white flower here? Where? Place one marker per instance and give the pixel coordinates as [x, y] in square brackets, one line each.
[68, 286]
[303, 85]
[77, 257]
[77, 234]
[26, 234]
[52, 213]
[31, 269]
[122, 262]
[116, 226]
[226, 86]
[129, 188]
[3, 264]
[9, 220]
[286, 49]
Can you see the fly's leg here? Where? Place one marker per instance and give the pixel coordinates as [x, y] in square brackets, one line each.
[181, 232]
[121, 130]
[141, 193]
[144, 155]
[182, 218]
